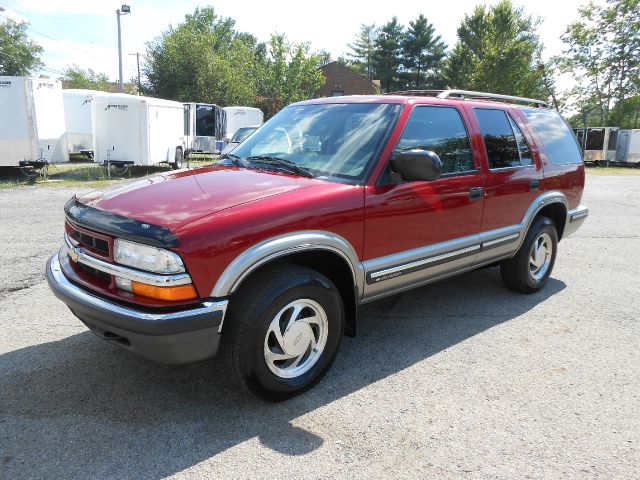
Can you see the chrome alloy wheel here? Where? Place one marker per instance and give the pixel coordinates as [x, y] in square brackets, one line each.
[540, 256]
[296, 338]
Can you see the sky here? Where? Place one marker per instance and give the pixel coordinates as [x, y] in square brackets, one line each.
[85, 32]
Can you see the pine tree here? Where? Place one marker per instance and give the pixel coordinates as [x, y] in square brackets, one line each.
[388, 54]
[363, 49]
[423, 53]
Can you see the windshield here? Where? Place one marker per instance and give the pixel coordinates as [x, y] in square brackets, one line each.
[328, 140]
[242, 133]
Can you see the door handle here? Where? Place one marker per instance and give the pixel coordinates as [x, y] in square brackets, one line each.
[476, 193]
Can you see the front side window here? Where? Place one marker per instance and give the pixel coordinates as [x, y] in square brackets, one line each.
[336, 141]
[499, 139]
[559, 142]
[441, 130]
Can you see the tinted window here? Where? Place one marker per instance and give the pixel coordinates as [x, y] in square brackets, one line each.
[558, 140]
[499, 140]
[523, 146]
[441, 130]
[595, 139]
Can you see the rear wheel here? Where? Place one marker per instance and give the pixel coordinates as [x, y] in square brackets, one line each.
[529, 270]
[283, 331]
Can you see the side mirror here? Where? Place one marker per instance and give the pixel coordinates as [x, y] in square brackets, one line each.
[417, 165]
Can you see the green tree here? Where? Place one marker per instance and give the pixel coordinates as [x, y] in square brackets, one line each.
[204, 59]
[77, 77]
[603, 55]
[324, 57]
[498, 51]
[19, 55]
[423, 53]
[363, 50]
[388, 54]
[291, 74]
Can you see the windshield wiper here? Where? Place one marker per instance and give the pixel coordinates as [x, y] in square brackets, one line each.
[281, 162]
[234, 160]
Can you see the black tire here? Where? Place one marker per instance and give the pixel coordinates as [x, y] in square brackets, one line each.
[252, 313]
[517, 273]
[178, 158]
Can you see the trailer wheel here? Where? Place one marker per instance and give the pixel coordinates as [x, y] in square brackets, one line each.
[179, 157]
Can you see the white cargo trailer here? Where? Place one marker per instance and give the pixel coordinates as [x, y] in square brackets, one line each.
[78, 117]
[133, 130]
[32, 131]
[600, 144]
[628, 146]
[204, 127]
[238, 117]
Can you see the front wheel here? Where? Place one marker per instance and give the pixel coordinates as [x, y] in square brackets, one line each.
[530, 268]
[283, 331]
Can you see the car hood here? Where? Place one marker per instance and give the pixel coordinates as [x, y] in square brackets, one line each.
[177, 198]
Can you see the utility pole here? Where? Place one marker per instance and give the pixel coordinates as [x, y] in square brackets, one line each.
[121, 11]
[137, 54]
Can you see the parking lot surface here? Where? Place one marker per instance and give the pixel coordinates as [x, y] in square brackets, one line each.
[463, 379]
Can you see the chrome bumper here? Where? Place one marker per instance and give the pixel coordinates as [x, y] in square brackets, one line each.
[575, 219]
[179, 336]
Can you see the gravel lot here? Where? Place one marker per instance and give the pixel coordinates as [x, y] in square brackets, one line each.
[459, 380]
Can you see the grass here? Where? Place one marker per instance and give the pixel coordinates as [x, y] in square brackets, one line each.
[613, 171]
[86, 174]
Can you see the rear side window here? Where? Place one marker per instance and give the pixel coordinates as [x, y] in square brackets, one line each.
[441, 130]
[499, 139]
[559, 143]
[523, 146]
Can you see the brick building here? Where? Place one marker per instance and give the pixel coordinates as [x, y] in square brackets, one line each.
[341, 80]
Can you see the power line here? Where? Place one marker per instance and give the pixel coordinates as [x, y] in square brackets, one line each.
[85, 52]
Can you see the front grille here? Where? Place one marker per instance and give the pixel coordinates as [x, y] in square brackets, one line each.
[91, 242]
[97, 273]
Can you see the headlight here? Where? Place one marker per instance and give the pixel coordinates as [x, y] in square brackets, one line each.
[144, 257]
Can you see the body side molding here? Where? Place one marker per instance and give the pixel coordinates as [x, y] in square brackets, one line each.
[403, 270]
[276, 247]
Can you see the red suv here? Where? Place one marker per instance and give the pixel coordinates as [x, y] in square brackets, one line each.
[333, 203]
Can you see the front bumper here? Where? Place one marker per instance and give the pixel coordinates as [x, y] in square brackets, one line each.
[181, 336]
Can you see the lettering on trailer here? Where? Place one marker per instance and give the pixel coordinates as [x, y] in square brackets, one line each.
[116, 106]
[5, 83]
[88, 100]
[45, 85]
[239, 112]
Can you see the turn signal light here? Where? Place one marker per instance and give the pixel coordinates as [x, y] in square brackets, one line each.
[170, 294]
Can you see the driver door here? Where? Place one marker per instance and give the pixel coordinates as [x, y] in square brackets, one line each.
[421, 230]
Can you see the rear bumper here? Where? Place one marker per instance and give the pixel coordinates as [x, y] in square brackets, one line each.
[575, 219]
[180, 336]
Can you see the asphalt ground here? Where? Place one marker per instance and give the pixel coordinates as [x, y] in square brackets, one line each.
[463, 379]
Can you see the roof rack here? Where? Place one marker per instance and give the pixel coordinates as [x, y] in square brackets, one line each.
[416, 93]
[462, 94]
[491, 96]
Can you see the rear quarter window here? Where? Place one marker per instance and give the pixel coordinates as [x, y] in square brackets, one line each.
[559, 142]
